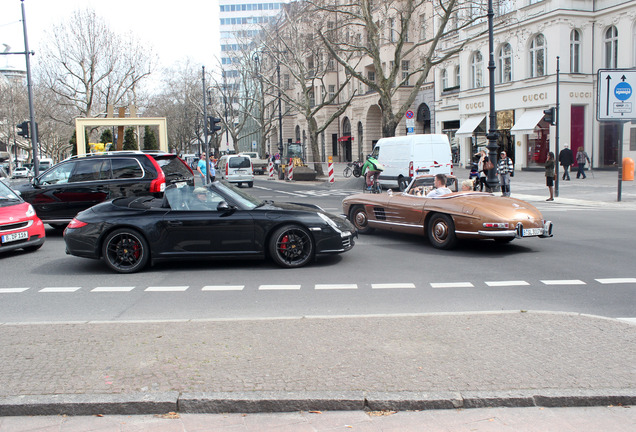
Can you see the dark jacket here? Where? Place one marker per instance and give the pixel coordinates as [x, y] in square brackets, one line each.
[566, 157]
[549, 168]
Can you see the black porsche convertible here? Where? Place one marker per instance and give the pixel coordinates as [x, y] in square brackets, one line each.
[218, 220]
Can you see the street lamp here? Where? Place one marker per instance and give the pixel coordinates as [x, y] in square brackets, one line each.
[492, 181]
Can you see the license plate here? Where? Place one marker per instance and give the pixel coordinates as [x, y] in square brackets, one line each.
[530, 232]
[15, 236]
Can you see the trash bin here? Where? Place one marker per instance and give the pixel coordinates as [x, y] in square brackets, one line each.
[628, 169]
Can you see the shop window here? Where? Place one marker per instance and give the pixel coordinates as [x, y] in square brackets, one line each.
[537, 56]
[575, 51]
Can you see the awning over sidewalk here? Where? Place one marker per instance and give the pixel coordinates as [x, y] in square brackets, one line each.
[527, 122]
[469, 125]
[345, 138]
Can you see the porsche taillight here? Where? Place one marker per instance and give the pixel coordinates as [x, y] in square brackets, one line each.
[76, 223]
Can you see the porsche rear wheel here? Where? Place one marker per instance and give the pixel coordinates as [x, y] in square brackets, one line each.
[125, 251]
[360, 220]
[291, 246]
[441, 231]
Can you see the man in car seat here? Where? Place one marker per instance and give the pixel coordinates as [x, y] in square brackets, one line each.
[440, 187]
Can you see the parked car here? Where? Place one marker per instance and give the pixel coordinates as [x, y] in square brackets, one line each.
[20, 227]
[78, 183]
[22, 172]
[447, 218]
[236, 169]
[218, 220]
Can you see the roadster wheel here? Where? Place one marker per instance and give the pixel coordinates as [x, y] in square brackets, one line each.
[291, 246]
[360, 220]
[441, 231]
[125, 251]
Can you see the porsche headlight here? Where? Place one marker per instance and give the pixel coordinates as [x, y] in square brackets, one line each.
[330, 222]
[30, 211]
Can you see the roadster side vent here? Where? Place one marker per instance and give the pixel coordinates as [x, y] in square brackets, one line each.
[379, 213]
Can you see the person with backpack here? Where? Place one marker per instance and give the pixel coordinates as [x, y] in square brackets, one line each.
[505, 169]
[371, 168]
[581, 157]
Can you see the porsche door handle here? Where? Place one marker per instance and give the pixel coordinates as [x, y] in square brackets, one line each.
[175, 223]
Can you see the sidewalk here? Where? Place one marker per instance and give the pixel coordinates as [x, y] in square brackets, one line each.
[411, 362]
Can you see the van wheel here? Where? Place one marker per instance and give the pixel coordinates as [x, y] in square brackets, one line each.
[239, 184]
[402, 184]
[250, 184]
[441, 231]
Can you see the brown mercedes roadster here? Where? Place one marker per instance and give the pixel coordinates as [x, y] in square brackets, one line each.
[447, 218]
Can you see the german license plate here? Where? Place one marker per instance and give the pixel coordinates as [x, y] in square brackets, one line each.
[530, 232]
[15, 236]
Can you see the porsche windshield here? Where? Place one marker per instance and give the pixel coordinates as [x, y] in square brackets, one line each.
[237, 195]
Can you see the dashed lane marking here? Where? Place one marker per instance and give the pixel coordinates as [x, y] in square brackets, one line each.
[616, 280]
[113, 289]
[336, 286]
[563, 282]
[223, 288]
[59, 289]
[393, 286]
[451, 285]
[278, 287]
[506, 283]
[167, 288]
[12, 290]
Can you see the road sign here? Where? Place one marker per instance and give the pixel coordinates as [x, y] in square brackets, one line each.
[616, 99]
[409, 114]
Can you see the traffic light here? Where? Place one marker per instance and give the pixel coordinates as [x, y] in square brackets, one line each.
[214, 124]
[23, 129]
[548, 115]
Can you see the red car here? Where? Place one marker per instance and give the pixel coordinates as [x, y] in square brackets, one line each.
[20, 227]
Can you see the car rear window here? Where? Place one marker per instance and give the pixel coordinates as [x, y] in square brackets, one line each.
[173, 166]
[124, 168]
[239, 162]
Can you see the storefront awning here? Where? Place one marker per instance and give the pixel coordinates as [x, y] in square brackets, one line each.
[527, 122]
[469, 125]
[345, 138]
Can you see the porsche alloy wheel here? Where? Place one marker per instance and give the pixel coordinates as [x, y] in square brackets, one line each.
[125, 251]
[291, 246]
[360, 220]
[441, 231]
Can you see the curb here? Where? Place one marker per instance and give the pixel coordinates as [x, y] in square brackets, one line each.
[271, 402]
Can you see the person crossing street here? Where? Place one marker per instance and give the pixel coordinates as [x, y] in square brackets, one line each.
[505, 169]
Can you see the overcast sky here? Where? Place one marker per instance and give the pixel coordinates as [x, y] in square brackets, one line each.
[174, 29]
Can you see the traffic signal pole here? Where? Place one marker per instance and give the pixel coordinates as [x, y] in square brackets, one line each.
[34, 130]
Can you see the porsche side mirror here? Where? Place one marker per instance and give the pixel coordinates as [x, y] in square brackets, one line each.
[223, 206]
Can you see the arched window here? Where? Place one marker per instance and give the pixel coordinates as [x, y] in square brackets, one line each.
[575, 51]
[611, 47]
[537, 56]
[505, 63]
[476, 70]
[444, 79]
[457, 77]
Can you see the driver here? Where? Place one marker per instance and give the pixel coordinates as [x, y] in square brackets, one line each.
[440, 187]
[200, 199]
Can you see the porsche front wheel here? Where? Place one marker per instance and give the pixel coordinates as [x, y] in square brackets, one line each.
[291, 246]
[441, 231]
[125, 251]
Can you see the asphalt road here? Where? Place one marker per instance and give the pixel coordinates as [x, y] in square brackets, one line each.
[579, 270]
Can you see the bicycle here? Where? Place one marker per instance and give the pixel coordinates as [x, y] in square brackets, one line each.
[375, 187]
[354, 168]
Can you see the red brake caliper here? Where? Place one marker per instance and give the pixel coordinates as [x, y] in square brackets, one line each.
[283, 243]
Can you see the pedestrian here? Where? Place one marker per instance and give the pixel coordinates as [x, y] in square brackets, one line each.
[482, 166]
[566, 159]
[505, 169]
[212, 169]
[581, 157]
[549, 175]
[202, 167]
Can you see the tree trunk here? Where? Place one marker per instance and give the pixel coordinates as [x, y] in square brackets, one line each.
[315, 151]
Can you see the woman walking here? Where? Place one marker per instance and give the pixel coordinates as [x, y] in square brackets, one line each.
[581, 157]
[549, 175]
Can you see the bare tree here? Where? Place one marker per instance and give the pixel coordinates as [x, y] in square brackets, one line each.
[381, 38]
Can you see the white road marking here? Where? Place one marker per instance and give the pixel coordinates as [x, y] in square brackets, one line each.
[507, 283]
[563, 282]
[59, 289]
[392, 285]
[12, 290]
[223, 288]
[631, 321]
[616, 280]
[167, 288]
[278, 287]
[451, 285]
[336, 286]
[113, 289]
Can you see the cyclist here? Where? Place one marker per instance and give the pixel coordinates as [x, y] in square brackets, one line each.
[372, 168]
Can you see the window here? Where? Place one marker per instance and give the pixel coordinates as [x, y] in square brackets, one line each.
[537, 56]
[477, 70]
[392, 30]
[575, 51]
[457, 77]
[444, 79]
[422, 27]
[332, 91]
[611, 47]
[59, 174]
[126, 168]
[405, 72]
[286, 81]
[89, 170]
[505, 63]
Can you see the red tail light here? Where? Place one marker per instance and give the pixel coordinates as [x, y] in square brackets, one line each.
[227, 169]
[411, 169]
[158, 184]
[76, 223]
[452, 169]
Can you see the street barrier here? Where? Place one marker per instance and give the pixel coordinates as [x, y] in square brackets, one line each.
[291, 171]
[332, 178]
[270, 169]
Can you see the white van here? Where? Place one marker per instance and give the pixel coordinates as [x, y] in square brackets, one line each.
[406, 156]
[236, 169]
